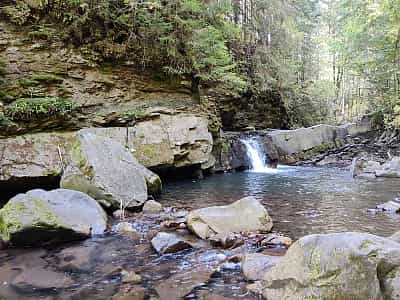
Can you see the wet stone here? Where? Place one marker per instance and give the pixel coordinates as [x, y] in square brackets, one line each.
[226, 240]
[274, 239]
[180, 285]
[133, 293]
[130, 277]
[38, 279]
[152, 206]
[165, 243]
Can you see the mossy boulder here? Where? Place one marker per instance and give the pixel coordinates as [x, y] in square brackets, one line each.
[344, 265]
[105, 170]
[40, 217]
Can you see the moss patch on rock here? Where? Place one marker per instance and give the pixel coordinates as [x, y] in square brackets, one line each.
[27, 109]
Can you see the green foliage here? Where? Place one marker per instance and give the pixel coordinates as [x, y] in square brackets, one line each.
[28, 109]
[185, 38]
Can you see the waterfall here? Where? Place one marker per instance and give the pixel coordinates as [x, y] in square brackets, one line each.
[257, 157]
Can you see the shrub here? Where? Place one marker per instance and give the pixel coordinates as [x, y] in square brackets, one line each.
[27, 109]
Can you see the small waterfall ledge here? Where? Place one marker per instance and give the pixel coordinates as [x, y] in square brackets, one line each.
[258, 158]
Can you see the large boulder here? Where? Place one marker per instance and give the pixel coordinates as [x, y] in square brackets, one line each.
[337, 266]
[106, 171]
[302, 139]
[40, 217]
[245, 215]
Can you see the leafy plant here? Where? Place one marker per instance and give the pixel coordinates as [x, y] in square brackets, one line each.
[28, 109]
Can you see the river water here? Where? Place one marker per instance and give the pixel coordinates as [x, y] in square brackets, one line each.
[300, 200]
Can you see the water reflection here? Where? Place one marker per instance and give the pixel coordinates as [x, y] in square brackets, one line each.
[301, 200]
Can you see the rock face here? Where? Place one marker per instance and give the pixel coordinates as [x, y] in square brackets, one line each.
[40, 217]
[245, 215]
[106, 171]
[162, 142]
[32, 160]
[337, 266]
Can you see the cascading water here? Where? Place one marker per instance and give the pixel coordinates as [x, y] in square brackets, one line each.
[257, 157]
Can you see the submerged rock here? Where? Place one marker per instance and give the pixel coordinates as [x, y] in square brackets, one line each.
[38, 279]
[245, 215]
[132, 293]
[152, 206]
[337, 266]
[178, 286]
[106, 171]
[165, 243]
[39, 217]
[126, 227]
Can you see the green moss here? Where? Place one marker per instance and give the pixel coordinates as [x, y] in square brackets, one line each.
[24, 82]
[41, 32]
[46, 78]
[27, 109]
[138, 113]
[9, 221]
[225, 147]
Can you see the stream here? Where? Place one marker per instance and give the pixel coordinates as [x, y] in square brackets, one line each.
[300, 200]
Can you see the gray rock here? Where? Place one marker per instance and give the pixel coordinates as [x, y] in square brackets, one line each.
[255, 265]
[336, 266]
[32, 157]
[125, 227]
[106, 171]
[226, 240]
[245, 215]
[390, 206]
[274, 239]
[152, 206]
[38, 279]
[302, 139]
[39, 217]
[165, 243]
[396, 237]
[181, 284]
[390, 169]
